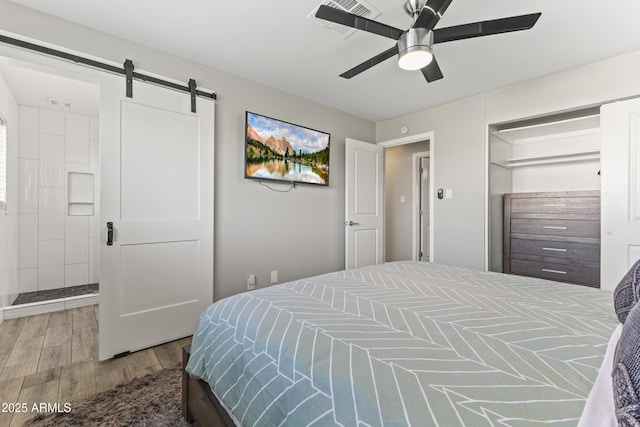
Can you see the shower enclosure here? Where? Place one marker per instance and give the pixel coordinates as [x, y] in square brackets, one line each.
[58, 193]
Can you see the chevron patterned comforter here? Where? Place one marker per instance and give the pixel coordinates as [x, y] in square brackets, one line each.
[405, 344]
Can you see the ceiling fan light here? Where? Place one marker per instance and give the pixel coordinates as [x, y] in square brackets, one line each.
[414, 49]
[415, 59]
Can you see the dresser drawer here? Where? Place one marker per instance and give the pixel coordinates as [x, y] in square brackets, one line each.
[587, 203]
[557, 205]
[558, 272]
[578, 262]
[556, 227]
[547, 248]
[548, 215]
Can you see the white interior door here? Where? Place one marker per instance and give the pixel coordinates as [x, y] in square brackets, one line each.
[157, 190]
[620, 166]
[364, 217]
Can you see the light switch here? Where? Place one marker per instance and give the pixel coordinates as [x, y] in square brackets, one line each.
[448, 194]
[403, 199]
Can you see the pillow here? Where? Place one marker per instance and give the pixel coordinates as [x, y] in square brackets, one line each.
[627, 292]
[626, 372]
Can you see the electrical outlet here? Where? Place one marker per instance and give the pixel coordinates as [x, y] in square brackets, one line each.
[274, 276]
[251, 282]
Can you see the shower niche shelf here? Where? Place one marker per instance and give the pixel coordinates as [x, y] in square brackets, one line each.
[81, 194]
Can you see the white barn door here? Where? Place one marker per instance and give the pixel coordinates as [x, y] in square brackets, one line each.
[156, 276]
[620, 163]
[364, 217]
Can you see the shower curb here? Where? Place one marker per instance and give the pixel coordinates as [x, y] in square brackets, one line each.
[42, 307]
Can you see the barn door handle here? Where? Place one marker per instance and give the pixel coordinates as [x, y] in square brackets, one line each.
[109, 233]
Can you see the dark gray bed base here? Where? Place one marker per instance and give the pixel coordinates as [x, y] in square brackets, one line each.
[198, 402]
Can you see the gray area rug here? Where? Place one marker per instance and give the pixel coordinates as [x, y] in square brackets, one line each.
[153, 400]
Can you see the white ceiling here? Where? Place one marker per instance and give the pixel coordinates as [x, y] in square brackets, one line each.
[273, 43]
[35, 88]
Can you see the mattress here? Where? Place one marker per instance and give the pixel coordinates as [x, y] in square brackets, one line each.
[405, 343]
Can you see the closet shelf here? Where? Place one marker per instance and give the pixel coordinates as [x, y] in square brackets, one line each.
[585, 156]
[542, 131]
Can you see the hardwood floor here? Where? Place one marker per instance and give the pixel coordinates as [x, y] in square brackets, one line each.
[53, 358]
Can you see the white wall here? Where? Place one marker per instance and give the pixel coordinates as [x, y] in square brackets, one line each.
[57, 250]
[577, 176]
[458, 151]
[460, 141]
[500, 182]
[9, 217]
[299, 233]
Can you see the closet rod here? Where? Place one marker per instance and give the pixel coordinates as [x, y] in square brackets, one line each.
[101, 66]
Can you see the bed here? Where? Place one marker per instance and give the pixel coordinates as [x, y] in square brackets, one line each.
[398, 344]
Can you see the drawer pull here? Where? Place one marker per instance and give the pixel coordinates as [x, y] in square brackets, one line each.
[546, 270]
[559, 205]
[554, 227]
[554, 249]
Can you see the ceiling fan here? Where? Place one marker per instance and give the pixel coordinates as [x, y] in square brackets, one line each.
[414, 46]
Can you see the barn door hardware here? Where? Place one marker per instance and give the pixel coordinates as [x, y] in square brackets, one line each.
[192, 89]
[127, 70]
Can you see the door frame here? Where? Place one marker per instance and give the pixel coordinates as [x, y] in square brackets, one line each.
[420, 137]
[415, 160]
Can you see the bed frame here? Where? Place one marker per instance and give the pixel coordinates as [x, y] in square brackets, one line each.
[199, 404]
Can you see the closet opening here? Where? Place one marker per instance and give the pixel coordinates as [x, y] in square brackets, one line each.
[53, 182]
[544, 197]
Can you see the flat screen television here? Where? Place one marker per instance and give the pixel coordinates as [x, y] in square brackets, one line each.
[281, 151]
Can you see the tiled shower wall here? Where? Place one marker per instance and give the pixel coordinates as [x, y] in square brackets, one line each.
[56, 250]
[9, 217]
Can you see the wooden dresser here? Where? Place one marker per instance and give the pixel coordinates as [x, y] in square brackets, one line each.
[553, 236]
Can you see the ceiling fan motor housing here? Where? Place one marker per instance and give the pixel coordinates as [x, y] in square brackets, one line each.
[415, 39]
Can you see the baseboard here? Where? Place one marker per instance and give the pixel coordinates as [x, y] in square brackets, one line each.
[30, 309]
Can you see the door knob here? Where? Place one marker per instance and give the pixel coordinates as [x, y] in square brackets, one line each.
[351, 223]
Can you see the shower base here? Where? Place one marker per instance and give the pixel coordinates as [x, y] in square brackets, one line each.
[50, 294]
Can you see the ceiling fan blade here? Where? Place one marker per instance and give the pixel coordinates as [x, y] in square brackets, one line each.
[350, 20]
[431, 13]
[370, 62]
[432, 71]
[485, 28]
